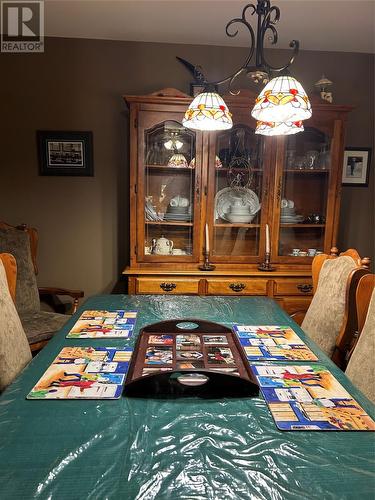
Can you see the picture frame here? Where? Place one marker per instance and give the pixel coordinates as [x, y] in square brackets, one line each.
[65, 153]
[356, 166]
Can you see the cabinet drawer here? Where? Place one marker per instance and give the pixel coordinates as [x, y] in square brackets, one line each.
[236, 287]
[167, 285]
[301, 286]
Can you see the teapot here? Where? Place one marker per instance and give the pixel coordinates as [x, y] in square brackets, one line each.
[161, 246]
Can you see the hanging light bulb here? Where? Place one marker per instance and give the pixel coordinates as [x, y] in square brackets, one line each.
[173, 144]
[208, 111]
[283, 99]
[274, 128]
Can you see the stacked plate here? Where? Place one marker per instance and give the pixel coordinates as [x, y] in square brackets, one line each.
[150, 212]
[177, 214]
[228, 196]
[289, 216]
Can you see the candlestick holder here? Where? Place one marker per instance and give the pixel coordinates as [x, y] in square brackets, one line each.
[266, 266]
[206, 266]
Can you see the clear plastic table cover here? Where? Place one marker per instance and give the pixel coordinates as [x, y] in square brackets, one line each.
[174, 449]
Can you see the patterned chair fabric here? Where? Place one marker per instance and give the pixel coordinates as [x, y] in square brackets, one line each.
[15, 352]
[17, 243]
[361, 366]
[38, 325]
[325, 315]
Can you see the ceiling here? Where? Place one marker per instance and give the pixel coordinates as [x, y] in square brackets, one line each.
[328, 25]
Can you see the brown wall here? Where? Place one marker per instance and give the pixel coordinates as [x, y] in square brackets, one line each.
[77, 85]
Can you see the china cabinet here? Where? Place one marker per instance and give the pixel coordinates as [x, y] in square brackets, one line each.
[236, 183]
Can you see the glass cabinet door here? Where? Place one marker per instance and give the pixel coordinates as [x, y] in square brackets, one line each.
[303, 194]
[236, 173]
[168, 166]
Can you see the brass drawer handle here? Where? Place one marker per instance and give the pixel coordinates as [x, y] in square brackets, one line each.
[237, 287]
[305, 288]
[168, 287]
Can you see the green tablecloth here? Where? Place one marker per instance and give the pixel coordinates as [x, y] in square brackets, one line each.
[177, 449]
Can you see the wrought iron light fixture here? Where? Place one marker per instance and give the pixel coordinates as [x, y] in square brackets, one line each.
[282, 104]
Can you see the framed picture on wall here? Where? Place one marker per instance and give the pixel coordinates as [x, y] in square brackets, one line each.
[65, 153]
[356, 166]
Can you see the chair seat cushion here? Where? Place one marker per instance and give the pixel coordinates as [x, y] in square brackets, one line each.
[42, 325]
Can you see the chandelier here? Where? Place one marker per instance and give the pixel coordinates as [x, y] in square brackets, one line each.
[281, 106]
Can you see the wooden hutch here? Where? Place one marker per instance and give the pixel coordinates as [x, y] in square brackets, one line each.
[181, 180]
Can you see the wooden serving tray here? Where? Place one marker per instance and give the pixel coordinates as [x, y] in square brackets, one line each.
[189, 357]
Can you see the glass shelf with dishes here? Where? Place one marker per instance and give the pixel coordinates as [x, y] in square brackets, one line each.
[237, 181]
[305, 184]
[308, 152]
[169, 186]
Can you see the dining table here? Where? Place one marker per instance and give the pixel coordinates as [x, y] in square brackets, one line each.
[182, 448]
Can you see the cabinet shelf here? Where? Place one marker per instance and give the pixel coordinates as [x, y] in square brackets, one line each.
[306, 171]
[302, 225]
[165, 223]
[229, 224]
[226, 169]
[167, 167]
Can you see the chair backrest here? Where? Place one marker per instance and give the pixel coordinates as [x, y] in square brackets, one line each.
[21, 242]
[363, 296]
[361, 366]
[14, 348]
[334, 279]
[33, 238]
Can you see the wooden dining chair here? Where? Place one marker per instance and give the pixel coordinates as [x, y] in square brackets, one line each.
[327, 321]
[361, 366]
[39, 325]
[15, 352]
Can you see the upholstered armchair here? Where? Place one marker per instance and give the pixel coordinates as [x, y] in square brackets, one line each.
[361, 366]
[15, 352]
[327, 321]
[39, 325]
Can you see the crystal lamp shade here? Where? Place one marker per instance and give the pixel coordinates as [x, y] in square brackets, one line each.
[274, 128]
[208, 111]
[282, 100]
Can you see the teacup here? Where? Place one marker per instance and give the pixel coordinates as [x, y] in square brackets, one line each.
[302, 254]
[295, 251]
[311, 252]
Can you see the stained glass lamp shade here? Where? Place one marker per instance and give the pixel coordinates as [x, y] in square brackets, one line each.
[283, 99]
[208, 111]
[273, 128]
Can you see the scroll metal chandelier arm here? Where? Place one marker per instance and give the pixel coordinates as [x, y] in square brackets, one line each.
[244, 21]
[268, 17]
[272, 17]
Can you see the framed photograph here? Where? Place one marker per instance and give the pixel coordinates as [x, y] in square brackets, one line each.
[355, 171]
[65, 153]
